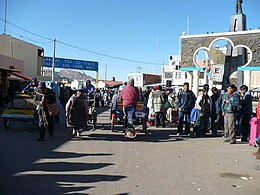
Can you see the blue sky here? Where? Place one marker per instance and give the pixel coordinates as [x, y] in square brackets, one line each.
[136, 30]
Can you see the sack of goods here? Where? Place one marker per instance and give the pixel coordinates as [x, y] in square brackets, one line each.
[30, 104]
[53, 109]
[19, 104]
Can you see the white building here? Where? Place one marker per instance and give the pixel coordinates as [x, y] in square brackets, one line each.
[172, 76]
[142, 79]
[20, 59]
[31, 55]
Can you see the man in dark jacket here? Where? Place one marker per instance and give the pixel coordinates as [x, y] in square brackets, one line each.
[216, 113]
[230, 109]
[45, 97]
[90, 89]
[185, 102]
[246, 109]
[146, 94]
[203, 105]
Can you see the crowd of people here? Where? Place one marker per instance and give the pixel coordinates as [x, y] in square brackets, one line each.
[230, 111]
[205, 114]
[51, 98]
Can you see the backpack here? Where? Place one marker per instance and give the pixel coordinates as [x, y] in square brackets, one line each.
[56, 90]
[205, 104]
[54, 87]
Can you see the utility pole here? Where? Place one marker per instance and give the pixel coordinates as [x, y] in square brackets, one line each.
[97, 79]
[5, 16]
[53, 59]
[105, 75]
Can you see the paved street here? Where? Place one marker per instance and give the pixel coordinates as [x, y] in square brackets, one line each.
[102, 162]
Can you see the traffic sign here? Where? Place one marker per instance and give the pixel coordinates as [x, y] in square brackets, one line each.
[71, 64]
[217, 72]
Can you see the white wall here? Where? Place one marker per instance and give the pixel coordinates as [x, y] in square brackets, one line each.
[138, 78]
[12, 47]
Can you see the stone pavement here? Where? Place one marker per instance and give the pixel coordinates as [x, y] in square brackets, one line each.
[102, 162]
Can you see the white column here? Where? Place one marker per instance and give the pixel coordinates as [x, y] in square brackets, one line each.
[189, 78]
[195, 82]
[240, 78]
[247, 78]
[210, 86]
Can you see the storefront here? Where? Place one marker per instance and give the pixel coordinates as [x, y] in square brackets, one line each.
[8, 66]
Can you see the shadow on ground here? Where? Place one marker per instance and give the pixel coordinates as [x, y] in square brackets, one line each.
[31, 167]
[150, 136]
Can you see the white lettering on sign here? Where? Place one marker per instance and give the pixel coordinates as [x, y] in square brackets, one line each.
[255, 94]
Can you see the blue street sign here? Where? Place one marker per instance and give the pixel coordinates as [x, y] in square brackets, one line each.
[71, 64]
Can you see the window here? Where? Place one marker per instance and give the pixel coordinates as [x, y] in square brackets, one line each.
[178, 75]
[40, 52]
[201, 75]
[186, 75]
[168, 75]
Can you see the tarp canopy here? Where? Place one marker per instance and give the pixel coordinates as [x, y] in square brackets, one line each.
[19, 76]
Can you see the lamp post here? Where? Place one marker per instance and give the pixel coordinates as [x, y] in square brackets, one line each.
[53, 60]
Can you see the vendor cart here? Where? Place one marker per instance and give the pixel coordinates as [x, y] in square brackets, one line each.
[139, 116]
[22, 108]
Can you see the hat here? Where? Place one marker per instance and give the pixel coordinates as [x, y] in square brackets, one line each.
[34, 79]
[121, 87]
[155, 87]
[80, 89]
[206, 87]
[42, 84]
[131, 81]
[232, 86]
[214, 89]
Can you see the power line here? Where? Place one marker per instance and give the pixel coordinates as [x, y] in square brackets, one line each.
[25, 37]
[82, 49]
[26, 30]
[105, 55]
[40, 42]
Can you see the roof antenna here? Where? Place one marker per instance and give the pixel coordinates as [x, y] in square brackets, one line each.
[188, 26]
